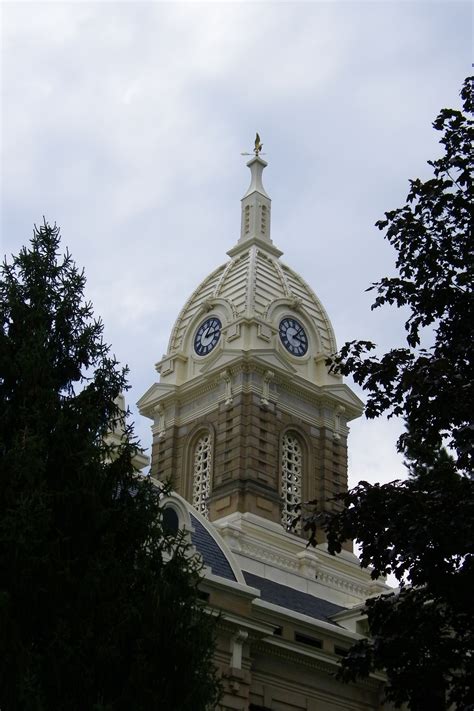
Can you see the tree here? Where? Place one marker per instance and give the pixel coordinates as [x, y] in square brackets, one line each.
[99, 606]
[422, 529]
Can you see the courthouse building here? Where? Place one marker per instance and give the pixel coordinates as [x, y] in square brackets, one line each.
[247, 421]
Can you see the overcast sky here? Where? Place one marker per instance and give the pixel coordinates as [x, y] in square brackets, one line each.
[124, 123]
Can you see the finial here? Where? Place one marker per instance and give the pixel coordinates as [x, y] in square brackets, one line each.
[256, 207]
[257, 149]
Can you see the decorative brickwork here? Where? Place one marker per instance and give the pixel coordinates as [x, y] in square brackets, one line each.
[248, 456]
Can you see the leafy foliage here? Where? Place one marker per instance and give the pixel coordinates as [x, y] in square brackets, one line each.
[422, 529]
[99, 606]
[430, 387]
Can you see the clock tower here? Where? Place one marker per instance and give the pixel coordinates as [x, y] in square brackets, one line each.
[247, 419]
[248, 422]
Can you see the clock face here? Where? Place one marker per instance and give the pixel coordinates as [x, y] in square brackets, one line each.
[207, 336]
[293, 336]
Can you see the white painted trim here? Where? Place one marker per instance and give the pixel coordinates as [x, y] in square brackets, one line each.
[262, 628]
[217, 581]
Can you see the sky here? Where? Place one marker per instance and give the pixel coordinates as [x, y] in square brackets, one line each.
[124, 123]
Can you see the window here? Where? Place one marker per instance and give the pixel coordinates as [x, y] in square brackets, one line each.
[202, 467]
[170, 521]
[291, 470]
[306, 639]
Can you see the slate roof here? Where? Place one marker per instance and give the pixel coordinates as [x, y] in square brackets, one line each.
[275, 593]
[292, 599]
[212, 554]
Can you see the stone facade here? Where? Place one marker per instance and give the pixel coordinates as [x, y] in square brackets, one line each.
[247, 431]
[275, 656]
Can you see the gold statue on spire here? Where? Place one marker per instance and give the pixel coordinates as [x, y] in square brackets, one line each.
[257, 149]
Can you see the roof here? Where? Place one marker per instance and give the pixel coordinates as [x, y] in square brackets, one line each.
[211, 547]
[212, 554]
[292, 599]
[250, 284]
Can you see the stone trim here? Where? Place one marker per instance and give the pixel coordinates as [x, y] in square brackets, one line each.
[315, 400]
[326, 663]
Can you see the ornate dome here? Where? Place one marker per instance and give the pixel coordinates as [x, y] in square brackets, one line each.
[237, 312]
[252, 284]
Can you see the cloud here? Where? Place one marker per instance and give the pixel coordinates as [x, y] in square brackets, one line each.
[125, 122]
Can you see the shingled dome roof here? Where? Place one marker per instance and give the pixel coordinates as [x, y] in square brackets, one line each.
[250, 283]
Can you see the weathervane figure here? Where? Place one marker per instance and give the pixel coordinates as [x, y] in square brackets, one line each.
[257, 147]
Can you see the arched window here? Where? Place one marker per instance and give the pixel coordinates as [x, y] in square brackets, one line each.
[291, 474]
[202, 469]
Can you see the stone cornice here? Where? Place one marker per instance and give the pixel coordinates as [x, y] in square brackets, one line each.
[324, 574]
[243, 247]
[252, 537]
[315, 659]
[211, 581]
[284, 649]
[321, 395]
[316, 396]
[230, 621]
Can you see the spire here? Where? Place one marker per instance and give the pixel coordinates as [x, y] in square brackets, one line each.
[256, 166]
[256, 208]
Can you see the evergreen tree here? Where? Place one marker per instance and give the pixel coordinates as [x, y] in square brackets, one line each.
[422, 529]
[99, 606]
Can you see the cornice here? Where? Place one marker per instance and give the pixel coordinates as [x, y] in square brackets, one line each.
[266, 555]
[329, 578]
[321, 395]
[342, 583]
[230, 621]
[239, 589]
[317, 660]
[284, 649]
[248, 536]
[310, 400]
[158, 392]
[243, 247]
[179, 394]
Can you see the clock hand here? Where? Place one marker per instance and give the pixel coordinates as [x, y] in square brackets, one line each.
[293, 337]
[207, 337]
